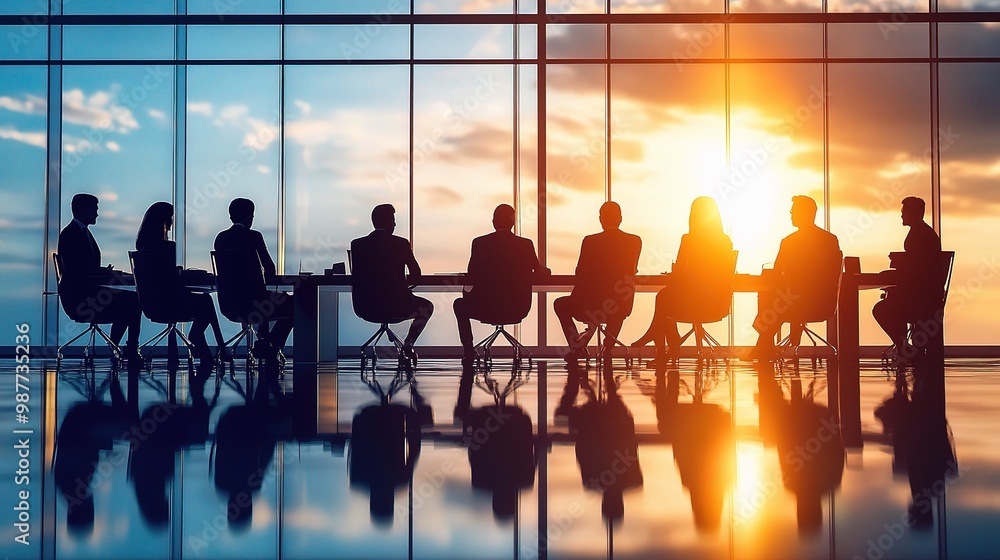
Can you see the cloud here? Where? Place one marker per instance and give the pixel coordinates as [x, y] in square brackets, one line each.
[112, 146]
[31, 138]
[438, 196]
[200, 108]
[30, 105]
[157, 114]
[100, 110]
[304, 107]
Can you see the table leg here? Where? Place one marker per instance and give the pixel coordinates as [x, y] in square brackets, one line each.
[306, 316]
[848, 371]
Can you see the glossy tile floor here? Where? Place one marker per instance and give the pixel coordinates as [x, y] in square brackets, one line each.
[722, 462]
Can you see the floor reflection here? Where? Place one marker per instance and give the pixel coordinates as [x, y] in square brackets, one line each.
[709, 460]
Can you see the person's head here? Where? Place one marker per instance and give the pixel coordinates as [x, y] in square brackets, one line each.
[384, 217]
[912, 212]
[155, 223]
[84, 208]
[611, 215]
[704, 217]
[803, 211]
[241, 211]
[503, 218]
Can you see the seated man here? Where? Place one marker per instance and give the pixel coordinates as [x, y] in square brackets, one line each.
[278, 306]
[84, 287]
[806, 255]
[605, 282]
[500, 272]
[918, 278]
[379, 263]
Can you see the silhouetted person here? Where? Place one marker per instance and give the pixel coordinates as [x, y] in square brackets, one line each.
[809, 444]
[152, 236]
[385, 446]
[500, 274]
[701, 260]
[606, 446]
[276, 306]
[501, 447]
[804, 256]
[605, 282]
[379, 264]
[85, 283]
[918, 279]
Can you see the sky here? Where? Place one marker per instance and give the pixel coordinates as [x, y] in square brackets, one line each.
[346, 143]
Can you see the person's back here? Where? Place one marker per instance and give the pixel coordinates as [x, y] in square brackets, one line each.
[378, 268]
[921, 272]
[500, 272]
[809, 262]
[606, 270]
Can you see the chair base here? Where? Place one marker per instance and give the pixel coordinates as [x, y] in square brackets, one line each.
[250, 334]
[706, 344]
[484, 356]
[88, 350]
[606, 343]
[368, 352]
[171, 332]
[787, 344]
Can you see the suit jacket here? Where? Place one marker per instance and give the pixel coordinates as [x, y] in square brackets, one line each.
[605, 273]
[240, 238]
[809, 263]
[81, 265]
[921, 275]
[500, 272]
[379, 263]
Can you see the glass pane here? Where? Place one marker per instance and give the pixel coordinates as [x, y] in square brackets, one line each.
[222, 8]
[233, 129]
[347, 42]
[668, 143]
[129, 7]
[234, 42]
[117, 42]
[381, 8]
[900, 6]
[117, 142]
[24, 42]
[463, 7]
[659, 6]
[26, 7]
[878, 40]
[346, 150]
[574, 6]
[969, 5]
[575, 41]
[791, 40]
[969, 39]
[776, 153]
[970, 198]
[775, 6]
[879, 141]
[22, 196]
[463, 41]
[677, 42]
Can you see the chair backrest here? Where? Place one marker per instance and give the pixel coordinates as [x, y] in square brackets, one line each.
[708, 291]
[57, 262]
[239, 277]
[378, 286]
[948, 265]
[827, 290]
[156, 284]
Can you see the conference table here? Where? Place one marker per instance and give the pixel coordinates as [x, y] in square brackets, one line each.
[843, 329]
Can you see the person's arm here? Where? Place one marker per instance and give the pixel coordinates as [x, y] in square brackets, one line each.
[411, 265]
[536, 266]
[475, 260]
[265, 257]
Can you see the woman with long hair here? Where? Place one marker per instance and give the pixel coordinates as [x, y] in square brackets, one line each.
[702, 248]
[152, 236]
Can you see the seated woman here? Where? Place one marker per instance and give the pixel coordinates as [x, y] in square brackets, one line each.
[152, 236]
[702, 247]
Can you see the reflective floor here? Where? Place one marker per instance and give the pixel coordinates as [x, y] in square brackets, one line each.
[558, 462]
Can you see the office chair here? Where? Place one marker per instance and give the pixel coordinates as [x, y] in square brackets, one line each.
[239, 279]
[714, 300]
[156, 285]
[822, 308]
[367, 300]
[505, 302]
[92, 330]
[947, 266]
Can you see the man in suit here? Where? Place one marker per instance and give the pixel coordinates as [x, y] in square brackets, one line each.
[379, 263]
[805, 255]
[605, 282]
[274, 306]
[918, 277]
[500, 273]
[85, 284]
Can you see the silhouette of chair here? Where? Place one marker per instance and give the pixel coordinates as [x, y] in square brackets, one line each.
[156, 285]
[824, 305]
[367, 303]
[92, 330]
[714, 299]
[239, 279]
[947, 265]
[507, 308]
